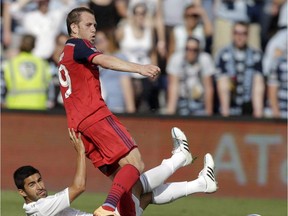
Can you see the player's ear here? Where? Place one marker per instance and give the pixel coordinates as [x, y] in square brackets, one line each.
[22, 192]
[74, 28]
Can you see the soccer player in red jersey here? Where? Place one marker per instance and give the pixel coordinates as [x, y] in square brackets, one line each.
[107, 142]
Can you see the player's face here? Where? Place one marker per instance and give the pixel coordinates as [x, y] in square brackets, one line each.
[86, 28]
[34, 188]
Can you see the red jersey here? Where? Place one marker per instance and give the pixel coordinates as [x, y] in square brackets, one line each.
[80, 85]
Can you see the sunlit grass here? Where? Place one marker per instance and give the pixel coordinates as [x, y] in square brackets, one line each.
[11, 205]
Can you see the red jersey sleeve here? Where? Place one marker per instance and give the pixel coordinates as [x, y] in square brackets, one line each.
[84, 51]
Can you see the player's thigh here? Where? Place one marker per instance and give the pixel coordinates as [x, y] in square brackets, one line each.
[133, 158]
[110, 138]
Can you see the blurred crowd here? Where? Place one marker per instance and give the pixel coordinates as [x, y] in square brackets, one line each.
[217, 57]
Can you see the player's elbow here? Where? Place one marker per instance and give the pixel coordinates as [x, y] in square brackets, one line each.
[81, 188]
[75, 190]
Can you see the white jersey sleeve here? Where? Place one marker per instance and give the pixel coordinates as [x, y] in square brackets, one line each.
[54, 205]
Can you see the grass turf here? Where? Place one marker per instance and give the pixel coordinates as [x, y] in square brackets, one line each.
[11, 205]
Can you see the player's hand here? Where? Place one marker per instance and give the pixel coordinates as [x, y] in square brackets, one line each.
[151, 71]
[76, 141]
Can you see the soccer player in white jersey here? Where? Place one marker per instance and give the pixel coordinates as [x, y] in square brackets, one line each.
[37, 202]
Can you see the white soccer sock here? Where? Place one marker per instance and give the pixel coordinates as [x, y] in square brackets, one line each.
[169, 192]
[157, 175]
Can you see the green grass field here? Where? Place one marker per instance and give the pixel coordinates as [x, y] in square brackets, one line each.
[11, 205]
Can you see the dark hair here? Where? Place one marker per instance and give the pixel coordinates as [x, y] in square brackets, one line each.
[22, 173]
[191, 38]
[242, 23]
[27, 43]
[61, 34]
[74, 16]
[188, 6]
[140, 4]
[58, 36]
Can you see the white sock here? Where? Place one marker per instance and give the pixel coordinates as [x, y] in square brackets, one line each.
[157, 175]
[169, 192]
[138, 209]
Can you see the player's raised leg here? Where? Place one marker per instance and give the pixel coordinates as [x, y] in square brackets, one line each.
[205, 183]
[181, 156]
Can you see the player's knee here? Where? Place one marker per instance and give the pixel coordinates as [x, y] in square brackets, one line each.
[133, 158]
[139, 165]
[138, 162]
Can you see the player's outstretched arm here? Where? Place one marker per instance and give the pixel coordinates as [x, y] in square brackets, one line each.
[111, 62]
[79, 182]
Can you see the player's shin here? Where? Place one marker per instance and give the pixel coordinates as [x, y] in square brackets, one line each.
[157, 175]
[169, 192]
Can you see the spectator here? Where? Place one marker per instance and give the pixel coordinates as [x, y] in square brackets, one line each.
[136, 42]
[155, 19]
[190, 86]
[278, 42]
[154, 15]
[173, 18]
[278, 88]
[272, 19]
[5, 24]
[45, 24]
[12, 30]
[232, 10]
[13, 13]
[258, 14]
[27, 79]
[117, 88]
[196, 24]
[208, 6]
[53, 62]
[240, 82]
[108, 13]
[228, 12]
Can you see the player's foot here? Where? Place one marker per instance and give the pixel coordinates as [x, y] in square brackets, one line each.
[208, 173]
[180, 144]
[116, 212]
[102, 212]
